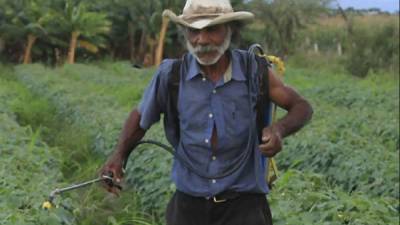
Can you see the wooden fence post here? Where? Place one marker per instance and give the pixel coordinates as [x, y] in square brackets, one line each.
[316, 48]
[339, 49]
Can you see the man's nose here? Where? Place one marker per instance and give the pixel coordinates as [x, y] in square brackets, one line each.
[203, 38]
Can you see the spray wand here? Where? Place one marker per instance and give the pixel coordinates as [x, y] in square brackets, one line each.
[108, 179]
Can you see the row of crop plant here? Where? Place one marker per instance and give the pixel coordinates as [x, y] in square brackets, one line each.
[90, 107]
[354, 136]
[89, 97]
[306, 198]
[29, 168]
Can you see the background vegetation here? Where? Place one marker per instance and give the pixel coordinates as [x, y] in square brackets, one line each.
[58, 31]
[59, 120]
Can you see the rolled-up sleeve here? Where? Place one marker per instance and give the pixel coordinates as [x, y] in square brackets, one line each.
[154, 99]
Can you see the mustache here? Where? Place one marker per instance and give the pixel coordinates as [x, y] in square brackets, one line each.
[206, 48]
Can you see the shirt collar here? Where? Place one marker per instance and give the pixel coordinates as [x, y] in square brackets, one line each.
[193, 69]
[228, 73]
[236, 67]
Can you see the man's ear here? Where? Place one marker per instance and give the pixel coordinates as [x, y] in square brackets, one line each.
[235, 29]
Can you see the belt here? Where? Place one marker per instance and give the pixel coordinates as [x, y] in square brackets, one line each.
[225, 196]
[219, 198]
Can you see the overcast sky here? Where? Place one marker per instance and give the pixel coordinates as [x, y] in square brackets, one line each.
[385, 5]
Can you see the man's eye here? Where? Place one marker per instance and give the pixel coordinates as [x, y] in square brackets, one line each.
[212, 29]
[193, 31]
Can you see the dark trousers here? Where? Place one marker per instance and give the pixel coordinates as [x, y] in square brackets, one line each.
[246, 209]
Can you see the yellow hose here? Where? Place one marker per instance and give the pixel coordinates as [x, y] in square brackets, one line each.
[272, 166]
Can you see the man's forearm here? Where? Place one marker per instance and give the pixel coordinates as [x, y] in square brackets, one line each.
[131, 134]
[298, 116]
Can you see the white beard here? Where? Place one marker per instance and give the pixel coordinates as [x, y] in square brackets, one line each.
[207, 48]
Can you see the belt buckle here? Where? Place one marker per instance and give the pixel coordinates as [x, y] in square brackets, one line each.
[218, 200]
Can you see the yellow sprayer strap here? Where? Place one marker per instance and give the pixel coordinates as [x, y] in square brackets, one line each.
[272, 172]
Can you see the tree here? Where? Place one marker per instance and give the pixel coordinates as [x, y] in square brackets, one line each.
[146, 27]
[160, 45]
[163, 30]
[25, 19]
[282, 19]
[147, 17]
[78, 20]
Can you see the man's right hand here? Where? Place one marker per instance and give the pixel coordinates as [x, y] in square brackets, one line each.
[131, 134]
[113, 168]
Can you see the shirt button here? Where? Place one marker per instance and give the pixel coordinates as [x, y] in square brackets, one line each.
[214, 158]
[206, 141]
[214, 91]
[210, 115]
[214, 181]
[204, 79]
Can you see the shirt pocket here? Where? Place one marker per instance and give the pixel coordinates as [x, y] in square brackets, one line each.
[230, 119]
[229, 112]
[236, 121]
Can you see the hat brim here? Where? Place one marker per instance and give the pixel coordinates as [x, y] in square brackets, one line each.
[202, 21]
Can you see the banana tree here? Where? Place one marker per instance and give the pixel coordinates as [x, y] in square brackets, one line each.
[160, 46]
[154, 27]
[138, 29]
[78, 20]
[24, 19]
[122, 34]
[33, 18]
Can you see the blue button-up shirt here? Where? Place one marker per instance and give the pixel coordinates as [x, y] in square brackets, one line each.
[203, 105]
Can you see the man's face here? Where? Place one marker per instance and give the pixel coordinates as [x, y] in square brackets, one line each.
[208, 44]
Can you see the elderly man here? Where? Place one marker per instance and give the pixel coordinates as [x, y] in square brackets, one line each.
[218, 171]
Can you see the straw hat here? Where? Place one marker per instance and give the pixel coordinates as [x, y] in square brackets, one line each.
[199, 14]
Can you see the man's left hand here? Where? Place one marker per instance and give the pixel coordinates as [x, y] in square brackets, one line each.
[271, 141]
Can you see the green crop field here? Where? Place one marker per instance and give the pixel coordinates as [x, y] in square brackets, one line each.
[57, 127]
